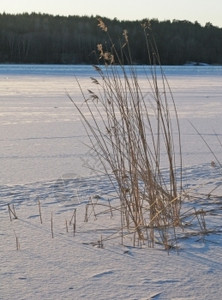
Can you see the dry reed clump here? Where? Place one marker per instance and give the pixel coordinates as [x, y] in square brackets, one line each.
[133, 138]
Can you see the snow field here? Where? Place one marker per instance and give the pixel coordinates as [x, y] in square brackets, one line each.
[43, 158]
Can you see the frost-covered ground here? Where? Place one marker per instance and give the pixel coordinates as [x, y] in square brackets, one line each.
[43, 158]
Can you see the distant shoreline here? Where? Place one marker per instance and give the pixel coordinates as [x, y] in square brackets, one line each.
[46, 39]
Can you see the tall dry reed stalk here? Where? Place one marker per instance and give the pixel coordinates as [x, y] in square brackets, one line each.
[133, 138]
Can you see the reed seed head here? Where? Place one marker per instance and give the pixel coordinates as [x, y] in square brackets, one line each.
[102, 25]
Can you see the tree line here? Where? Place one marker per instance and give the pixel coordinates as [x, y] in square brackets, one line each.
[43, 38]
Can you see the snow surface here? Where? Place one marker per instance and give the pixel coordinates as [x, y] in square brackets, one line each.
[44, 158]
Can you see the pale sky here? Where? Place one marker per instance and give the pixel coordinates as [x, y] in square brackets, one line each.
[192, 10]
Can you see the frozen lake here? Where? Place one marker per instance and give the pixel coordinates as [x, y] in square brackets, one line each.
[42, 142]
[41, 134]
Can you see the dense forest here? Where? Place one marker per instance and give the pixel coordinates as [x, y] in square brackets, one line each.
[42, 38]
